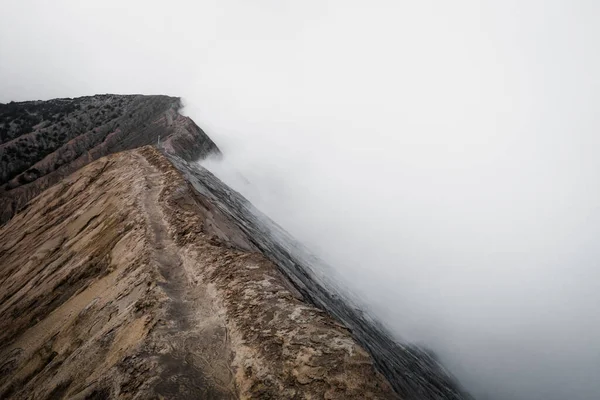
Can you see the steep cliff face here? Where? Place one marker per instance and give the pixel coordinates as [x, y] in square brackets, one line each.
[42, 142]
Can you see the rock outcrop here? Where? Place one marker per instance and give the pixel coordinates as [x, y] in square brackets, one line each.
[42, 142]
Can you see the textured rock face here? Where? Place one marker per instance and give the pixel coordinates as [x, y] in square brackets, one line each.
[42, 142]
[122, 281]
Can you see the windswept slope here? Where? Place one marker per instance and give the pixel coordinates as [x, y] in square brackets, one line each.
[41, 142]
[413, 372]
[122, 281]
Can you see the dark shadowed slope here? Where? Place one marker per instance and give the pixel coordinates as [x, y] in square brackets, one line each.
[41, 142]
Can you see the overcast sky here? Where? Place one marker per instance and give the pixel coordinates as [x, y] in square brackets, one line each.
[442, 156]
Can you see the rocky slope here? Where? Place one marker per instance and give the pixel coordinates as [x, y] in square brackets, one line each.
[412, 371]
[141, 275]
[122, 281]
[42, 142]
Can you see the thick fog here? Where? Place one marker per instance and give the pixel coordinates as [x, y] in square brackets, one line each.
[441, 156]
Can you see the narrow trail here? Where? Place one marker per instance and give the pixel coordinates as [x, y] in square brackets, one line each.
[165, 251]
[197, 341]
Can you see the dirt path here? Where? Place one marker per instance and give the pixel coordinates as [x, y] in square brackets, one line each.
[194, 332]
[165, 251]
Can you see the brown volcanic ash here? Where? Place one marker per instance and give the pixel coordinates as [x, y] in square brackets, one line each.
[42, 142]
[122, 281]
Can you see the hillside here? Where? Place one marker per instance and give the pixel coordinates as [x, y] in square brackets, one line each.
[139, 275]
[121, 281]
[42, 142]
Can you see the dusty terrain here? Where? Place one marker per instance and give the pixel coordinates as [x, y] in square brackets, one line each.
[122, 281]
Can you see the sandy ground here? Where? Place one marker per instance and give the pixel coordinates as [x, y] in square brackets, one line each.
[121, 281]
